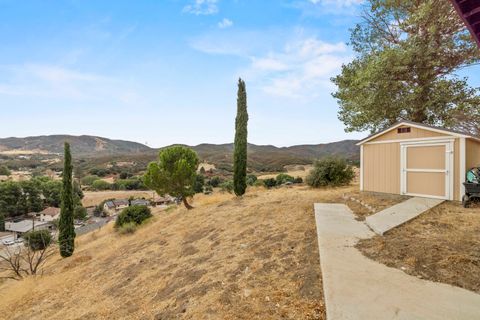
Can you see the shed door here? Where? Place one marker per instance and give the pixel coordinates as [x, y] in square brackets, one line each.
[426, 169]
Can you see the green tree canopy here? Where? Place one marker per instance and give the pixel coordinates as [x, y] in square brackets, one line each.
[240, 143]
[66, 234]
[407, 55]
[174, 173]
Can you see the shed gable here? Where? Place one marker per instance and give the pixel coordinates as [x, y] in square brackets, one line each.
[414, 133]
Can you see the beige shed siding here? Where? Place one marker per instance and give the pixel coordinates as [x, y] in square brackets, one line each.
[414, 133]
[472, 158]
[381, 167]
[381, 161]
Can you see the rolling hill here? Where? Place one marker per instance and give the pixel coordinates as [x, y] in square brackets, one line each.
[260, 157]
[81, 145]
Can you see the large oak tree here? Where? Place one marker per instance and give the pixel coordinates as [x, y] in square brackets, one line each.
[408, 54]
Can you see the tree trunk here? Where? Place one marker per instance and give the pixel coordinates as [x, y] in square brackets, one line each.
[186, 204]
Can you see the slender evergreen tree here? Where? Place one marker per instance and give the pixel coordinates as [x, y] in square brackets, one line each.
[66, 235]
[240, 143]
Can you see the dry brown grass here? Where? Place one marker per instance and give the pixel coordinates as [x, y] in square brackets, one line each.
[441, 245]
[93, 198]
[229, 258]
[294, 171]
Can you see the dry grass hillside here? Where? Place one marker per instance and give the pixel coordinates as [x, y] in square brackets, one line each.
[250, 258]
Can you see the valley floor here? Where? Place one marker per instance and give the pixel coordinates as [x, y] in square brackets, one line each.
[250, 258]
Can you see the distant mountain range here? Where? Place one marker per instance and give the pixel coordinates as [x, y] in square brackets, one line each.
[264, 157]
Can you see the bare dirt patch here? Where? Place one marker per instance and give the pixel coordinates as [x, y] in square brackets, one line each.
[249, 258]
[441, 245]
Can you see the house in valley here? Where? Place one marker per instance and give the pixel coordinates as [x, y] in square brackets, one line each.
[113, 206]
[50, 214]
[23, 226]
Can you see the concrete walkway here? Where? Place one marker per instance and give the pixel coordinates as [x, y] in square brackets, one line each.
[356, 287]
[400, 213]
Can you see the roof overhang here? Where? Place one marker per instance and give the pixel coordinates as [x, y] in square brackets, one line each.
[415, 125]
[469, 11]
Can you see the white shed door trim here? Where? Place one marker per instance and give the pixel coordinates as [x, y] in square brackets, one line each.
[449, 168]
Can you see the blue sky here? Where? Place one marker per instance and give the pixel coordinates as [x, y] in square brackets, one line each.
[166, 71]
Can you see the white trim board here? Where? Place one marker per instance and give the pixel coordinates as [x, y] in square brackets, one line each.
[462, 166]
[440, 138]
[361, 168]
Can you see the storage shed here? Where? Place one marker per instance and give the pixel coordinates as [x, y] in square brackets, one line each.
[414, 159]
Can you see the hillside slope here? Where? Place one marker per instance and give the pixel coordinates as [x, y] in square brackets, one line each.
[249, 258]
[81, 145]
[260, 157]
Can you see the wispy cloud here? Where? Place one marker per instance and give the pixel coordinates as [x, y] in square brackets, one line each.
[202, 7]
[225, 23]
[58, 82]
[298, 68]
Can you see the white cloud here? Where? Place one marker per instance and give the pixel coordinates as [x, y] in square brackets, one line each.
[225, 23]
[301, 70]
[202, 7]
[51, 81]
[296, 66]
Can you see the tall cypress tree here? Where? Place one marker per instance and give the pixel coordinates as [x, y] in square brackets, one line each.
[240, 143]
[66, 236]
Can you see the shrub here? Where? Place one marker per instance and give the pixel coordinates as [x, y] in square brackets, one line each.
[125, 175]
[198, 184]
[269, 183]
[101, 185]
[330, 172]
[251, 179]
[259, 183]
[135, 214]
[227, 186]
[37, 239]
[80, 213]
[89, 180]
[298, 180]
[127, 228]
[215, 181]
[283, 178]
[4, 171]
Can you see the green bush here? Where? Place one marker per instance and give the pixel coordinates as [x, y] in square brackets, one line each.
[215, 181]
[101, 185]
[298, 180]
[269, 183]
[227, 186]
[127, 228]
[4, 171]
[89, 180]
[135, 214]
[199, 183]
[283, 178]
[251, 179]
[330, 172]
[80, 213]
[37, 239]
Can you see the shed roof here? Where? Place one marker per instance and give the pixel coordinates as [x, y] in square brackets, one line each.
[50, 211]
[421, 126]
[24, 225]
